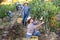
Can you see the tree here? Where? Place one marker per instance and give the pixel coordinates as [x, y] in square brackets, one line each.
[46, 9]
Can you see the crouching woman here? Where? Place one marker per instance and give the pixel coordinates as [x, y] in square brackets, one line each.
[32, 29]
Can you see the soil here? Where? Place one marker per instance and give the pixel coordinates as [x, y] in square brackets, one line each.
[13, 26]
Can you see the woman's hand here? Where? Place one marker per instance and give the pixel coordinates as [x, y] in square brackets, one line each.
[38, 26]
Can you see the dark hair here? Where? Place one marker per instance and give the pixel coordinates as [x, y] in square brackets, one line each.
[29, 20]
[25, 3]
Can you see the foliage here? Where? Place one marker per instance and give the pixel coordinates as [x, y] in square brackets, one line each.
[46, 9]
[56, 2]
[37, 7]
[4, 8]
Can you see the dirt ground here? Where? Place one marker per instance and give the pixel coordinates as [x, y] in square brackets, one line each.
[13, 34]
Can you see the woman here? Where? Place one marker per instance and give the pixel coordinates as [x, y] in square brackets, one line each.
[26, 10]
[32, 29]
[9, 13]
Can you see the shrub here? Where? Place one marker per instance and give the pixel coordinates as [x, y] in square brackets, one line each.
[3, 9]
[46, 9]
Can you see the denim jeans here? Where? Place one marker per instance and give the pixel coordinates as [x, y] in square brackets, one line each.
[9, 19]
[24, 20]
[36, 33]
[28, 36]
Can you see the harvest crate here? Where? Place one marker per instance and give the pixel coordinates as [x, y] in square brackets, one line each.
[33, 38]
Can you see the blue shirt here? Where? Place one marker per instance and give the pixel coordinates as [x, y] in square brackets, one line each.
[26, 10]
[10, 14]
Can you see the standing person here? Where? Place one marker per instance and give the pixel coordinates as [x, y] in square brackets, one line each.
[32, 28]
[26, 10]
[21, 13]
[9, 13]
[17, 5]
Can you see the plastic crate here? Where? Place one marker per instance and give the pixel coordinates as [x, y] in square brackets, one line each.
[33, 38]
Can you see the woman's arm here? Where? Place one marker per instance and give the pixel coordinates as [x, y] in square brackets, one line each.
[38, 26]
